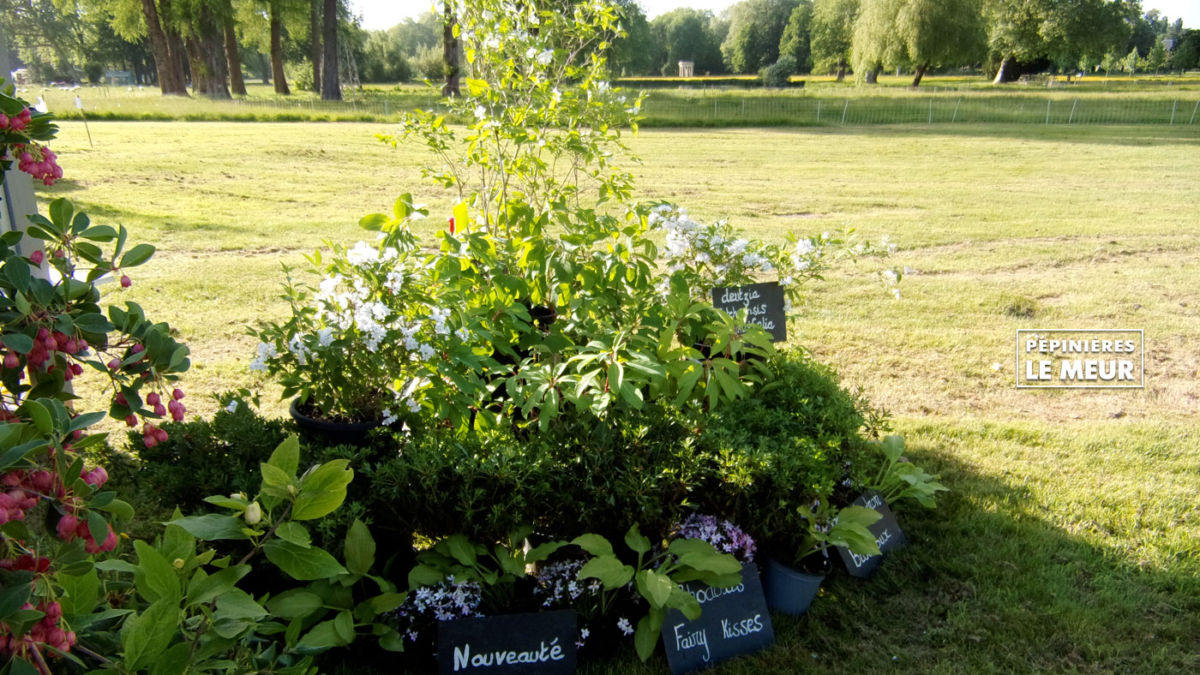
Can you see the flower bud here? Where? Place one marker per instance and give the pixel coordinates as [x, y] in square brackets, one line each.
[253, 514]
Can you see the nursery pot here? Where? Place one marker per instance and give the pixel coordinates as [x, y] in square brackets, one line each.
[788, 590]
[337, 433]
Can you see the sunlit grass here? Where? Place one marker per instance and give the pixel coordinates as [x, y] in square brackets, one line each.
[1070, 540]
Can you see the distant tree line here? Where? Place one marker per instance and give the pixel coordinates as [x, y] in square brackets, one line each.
[316, 44]
[177, 45]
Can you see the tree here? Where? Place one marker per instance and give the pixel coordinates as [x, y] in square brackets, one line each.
[1186, 53]
[1157, 58]
[275, 18]
[232, 55]
[686, 35]
[1065, 31]
[331, 86]
[314, 42]
[202, 26]
[632, 53]
[917, 33]
[755, 30]
[832, 35]
[795, 41]
[450, 49]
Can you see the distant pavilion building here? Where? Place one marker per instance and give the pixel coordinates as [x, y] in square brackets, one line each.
[687, 69]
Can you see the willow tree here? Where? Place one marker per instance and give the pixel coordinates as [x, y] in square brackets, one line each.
[917, 33]
[832, 34]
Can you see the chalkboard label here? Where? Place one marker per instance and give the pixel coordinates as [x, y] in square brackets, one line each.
[733, 621]
[763, 304]
[887, 536]
[542, 642]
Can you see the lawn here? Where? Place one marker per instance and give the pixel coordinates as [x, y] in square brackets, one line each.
[1070, 540]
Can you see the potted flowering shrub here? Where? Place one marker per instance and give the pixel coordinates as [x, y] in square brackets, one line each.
[791, 590]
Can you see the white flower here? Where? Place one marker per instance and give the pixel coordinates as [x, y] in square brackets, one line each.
[266, 352]
[545, 57]
[233, 406]
[480, 112]
[889, 276]
[325, 337]
[462, 334]
[413, 406]
[786, 281]
[896, 292]
[362, 253]
[623, 624]
[388, 417]
[427, 352]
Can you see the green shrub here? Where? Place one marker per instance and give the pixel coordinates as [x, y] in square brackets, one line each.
[778, 74]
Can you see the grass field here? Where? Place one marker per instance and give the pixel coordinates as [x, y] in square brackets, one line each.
[1164, 99]
[1071, 541]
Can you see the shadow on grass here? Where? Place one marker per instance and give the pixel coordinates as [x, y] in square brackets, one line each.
[986, 585]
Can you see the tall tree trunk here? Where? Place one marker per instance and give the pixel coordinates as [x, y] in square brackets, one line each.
[1002, 72]
[232, 57]
[176, 53]
[450, 53]
[841, 69]
[281, 85]
[872, 76]
[314, 43]
[331, 85]
[919, 74]
[170, 80]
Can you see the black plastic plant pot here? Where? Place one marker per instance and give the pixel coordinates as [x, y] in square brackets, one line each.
[334, 433]
[543, 316]
[788, 590]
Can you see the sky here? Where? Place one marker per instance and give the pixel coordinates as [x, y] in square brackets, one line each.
[383, 14]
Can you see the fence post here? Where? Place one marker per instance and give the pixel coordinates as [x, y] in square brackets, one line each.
[1072, 117]
[1194, 112]
[819, 111]
[1048, 102]
[1173, 107]
[930, 110]
[844, 109]
[955, 116]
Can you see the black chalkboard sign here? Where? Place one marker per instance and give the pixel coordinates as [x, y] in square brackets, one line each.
[888, 537]
[542, 642]
[733, 621]
[763, 304]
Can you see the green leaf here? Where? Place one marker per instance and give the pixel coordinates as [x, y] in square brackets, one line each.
[137, 255]
[237, 604]
[275, 480]
[425, 575]
[302, 564]
[594, 544]
[18, 342]
[155, 578]
[476, 87]
[684, 602]
[360, 549]
[386, 602]
[174, 661]
[636, 541]
[461, 549]
[655, 587]
[328, 634]
[93, 323]
[645, 638]
[294, 604]
[374, 222]
[294, 533]
[202, 589]
[212, 526]
[287, 456]
[99, 233]
[80, 593]
[19, 666]
[61, 211]
[608, 570]
[699, 554]
[323, 490]
[40, 417]
[119, 509]
[147, 635]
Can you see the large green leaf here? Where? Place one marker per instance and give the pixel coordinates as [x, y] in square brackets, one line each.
[155, 578]
[594, 544]
[645, 638]
[294, 604]
[202, 589]
[302, 564]
[608, 570]
[237, 604]
[144, 637]
[655, 587]
[360, 548]
[323, 490]
[212, 526]
[287, 456]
